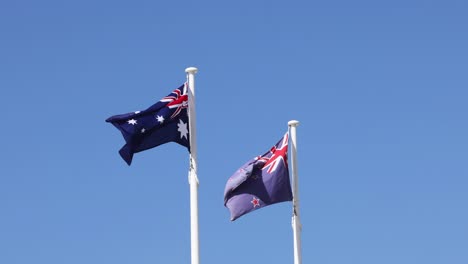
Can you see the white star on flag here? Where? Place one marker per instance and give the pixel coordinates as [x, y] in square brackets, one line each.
[182, 129]
[160, 119]
[132, 122]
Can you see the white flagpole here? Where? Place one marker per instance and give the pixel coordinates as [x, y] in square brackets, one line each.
[193, 179]
[296, 221]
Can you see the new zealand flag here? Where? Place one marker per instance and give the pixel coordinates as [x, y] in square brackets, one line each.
[163, 122]
[260, 182]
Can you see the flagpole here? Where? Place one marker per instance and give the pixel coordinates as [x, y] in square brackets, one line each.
[296, 221]
[193, 179]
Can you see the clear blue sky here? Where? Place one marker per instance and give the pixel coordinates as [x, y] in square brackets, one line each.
[380, 89]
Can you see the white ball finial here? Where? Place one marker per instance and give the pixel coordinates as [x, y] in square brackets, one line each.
[191, 70]
[293, 123]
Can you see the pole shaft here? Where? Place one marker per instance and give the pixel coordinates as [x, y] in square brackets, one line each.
[296, 222]
[193, 179]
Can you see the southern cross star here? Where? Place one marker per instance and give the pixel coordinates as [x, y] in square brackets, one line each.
[132, 121]
[160, 119]
[255, 201]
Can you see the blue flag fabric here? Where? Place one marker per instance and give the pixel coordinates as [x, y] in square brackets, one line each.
[260, 182]
[163, 122]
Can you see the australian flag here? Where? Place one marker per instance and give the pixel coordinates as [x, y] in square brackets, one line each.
[260, 182]
[163, 122]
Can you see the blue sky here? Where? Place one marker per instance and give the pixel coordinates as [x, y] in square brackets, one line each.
[380, 89]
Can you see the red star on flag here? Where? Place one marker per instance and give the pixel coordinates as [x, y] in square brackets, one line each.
[255, 201]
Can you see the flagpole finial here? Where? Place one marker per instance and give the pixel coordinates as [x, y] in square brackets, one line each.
[191, 70]
[293, 123]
